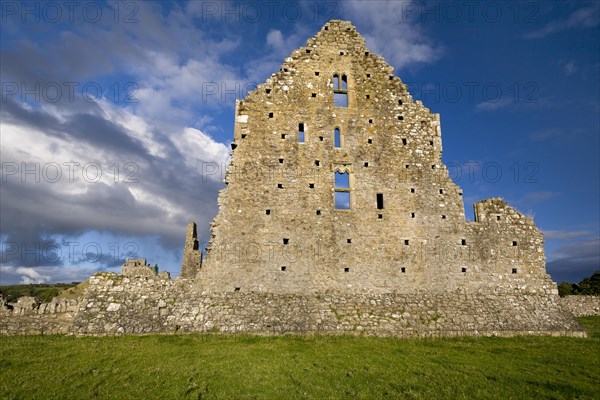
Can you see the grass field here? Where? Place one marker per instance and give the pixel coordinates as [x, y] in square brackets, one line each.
[231, 367]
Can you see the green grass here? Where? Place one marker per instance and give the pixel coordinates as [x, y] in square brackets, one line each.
[44, 292]
[336, 367]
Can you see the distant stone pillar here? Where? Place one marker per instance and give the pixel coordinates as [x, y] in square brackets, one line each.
[192, 257]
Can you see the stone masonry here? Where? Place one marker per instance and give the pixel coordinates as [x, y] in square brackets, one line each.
[339, 217]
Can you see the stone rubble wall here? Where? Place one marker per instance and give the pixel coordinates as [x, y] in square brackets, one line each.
[116, 304]
[29, 316]
[582, 306]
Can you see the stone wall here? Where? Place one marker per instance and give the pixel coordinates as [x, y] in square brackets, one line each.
[582, 306]
[117, 304]
[29, 316]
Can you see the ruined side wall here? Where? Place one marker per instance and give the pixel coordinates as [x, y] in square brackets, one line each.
[582, 306]
[121, 305]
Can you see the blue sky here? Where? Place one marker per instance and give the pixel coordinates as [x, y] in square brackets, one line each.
[117, 116]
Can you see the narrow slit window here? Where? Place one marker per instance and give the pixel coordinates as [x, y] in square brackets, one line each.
[337, 138]
[301, 132]
[380, 201]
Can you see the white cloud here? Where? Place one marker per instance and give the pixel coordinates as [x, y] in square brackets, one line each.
[494, 105]
[392, 31]
[570, 68]
[564, 234]
[585, 17]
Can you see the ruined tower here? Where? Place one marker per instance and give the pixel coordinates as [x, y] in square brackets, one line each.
[192, 257]
[337, 183]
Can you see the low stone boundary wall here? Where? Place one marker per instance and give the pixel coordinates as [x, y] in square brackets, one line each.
[29, 316]
[582, 306]
[116, 304]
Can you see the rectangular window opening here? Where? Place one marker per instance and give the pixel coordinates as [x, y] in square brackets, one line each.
[340, 99]
[379, 216]
[441, 191]
[342, 200]
[380, 201]
[514, 243]
[463, 269]
[317, 163]
[283, 135]
[318, 212]
[404, 142]
[349, 240]
[268, 212]
[286, 241]
[443, 217]
[514, 270]
[403, 270]
[268, 91]
[313, 95]
[316, 73]
[237, 289]
[346, 269]
[280, 186]
[463, 242]
[270, 115]
[283, 268]
[244, 136]
[337, 138]
[281, 161]
[311, 185]
[406, 242]
[412, 215]
[366, 164]
[369, 141]
[412, 190]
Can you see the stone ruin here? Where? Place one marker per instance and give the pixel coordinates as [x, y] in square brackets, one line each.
[338, 217]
